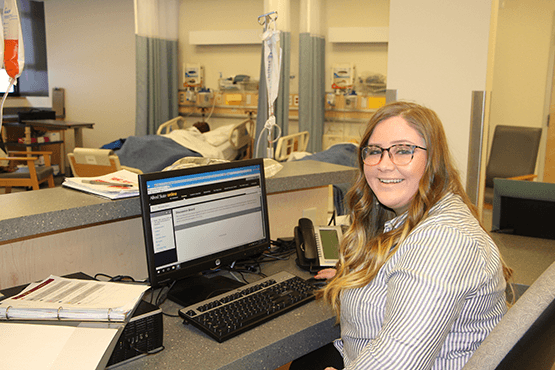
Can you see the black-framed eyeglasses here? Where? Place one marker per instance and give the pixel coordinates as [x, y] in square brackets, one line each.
[400, 154]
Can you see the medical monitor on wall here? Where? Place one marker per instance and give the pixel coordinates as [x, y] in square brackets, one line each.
[200, 219]
[524, 208]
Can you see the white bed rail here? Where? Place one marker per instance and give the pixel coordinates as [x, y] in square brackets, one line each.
[291, 143]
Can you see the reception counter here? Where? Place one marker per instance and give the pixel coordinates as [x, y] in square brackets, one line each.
[60, 230]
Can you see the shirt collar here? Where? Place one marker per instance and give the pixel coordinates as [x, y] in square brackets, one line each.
[399, 220]
[395, 222]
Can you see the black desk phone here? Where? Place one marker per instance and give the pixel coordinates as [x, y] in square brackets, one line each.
[317, 246]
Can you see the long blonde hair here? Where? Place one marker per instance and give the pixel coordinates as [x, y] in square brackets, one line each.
[365, 247]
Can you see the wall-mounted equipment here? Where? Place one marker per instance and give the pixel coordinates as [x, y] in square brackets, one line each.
[351, 100]
[193, 75]
[330, 99]
[190, 95]
[204, 97]
[343, 76]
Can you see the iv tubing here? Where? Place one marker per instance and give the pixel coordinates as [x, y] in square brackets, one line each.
[12, 82]
[267, 126]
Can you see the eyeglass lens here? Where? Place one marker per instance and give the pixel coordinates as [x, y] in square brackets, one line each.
[399, 154]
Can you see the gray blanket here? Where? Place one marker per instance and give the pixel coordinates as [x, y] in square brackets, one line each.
[152, 153]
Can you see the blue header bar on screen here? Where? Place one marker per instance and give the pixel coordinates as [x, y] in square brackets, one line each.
[170, 183]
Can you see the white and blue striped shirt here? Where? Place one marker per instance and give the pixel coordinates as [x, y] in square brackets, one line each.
[432, 303]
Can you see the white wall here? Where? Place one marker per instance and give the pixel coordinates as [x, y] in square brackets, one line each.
[520, 77]
[245, 59]
[220, 15]
[437, 56]
[91, 54]
[369, 58]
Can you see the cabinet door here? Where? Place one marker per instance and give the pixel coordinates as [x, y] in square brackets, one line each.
[549, 167]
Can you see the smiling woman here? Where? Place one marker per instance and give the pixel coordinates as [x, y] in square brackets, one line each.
[419, 283]
[394, 178]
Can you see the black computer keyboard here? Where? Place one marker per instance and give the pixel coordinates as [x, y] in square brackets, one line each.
[244, 308]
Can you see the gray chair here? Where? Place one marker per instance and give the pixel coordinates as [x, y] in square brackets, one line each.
[525, 338]
[513, 155]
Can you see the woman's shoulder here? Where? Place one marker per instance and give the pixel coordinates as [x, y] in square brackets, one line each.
[452, 216]
[450, 207]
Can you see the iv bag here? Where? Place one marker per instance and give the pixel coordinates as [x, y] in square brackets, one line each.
[14, 57]
[1, 43]
[272, 64]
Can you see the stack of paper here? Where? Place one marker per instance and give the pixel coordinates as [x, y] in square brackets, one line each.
[57, 298]
[56, 347]
[120, 184]
[75, 323]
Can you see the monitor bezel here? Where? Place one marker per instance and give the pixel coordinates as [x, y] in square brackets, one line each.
[217, 260]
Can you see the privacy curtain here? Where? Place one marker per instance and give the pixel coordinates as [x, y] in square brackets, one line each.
[312, 93]
[282, 102]
[156, 34]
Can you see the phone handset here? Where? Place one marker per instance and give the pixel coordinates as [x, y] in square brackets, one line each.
[305, 241]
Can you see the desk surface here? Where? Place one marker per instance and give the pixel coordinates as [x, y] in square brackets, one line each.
[57, 124]
[276, 342]
[268, 346]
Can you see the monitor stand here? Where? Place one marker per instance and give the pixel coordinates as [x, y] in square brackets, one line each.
[195, 289]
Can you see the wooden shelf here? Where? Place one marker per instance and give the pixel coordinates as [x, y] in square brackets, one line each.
[32, 145]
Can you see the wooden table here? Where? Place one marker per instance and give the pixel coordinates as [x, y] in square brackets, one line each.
[69, 141]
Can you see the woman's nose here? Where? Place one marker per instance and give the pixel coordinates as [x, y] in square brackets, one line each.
[385, 163]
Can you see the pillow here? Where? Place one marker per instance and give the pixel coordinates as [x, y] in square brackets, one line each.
[218, 136]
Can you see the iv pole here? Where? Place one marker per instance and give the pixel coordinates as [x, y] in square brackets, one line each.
[265, 20]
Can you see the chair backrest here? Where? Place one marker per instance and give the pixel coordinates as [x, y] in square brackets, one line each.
[291, 143]
[514, 151]
[523, 339]
[88, 162]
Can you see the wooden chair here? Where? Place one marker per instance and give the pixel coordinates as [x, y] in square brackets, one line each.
[30, 176]
[89, 162]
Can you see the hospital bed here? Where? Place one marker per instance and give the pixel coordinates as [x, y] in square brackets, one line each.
[152, 153]
[292, 148]
[289, 144]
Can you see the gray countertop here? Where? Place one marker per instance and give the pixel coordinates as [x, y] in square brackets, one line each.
[31, 213]
[266, 347]
[272, 344]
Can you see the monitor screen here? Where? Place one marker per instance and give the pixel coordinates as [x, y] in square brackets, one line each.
[202, 218]
[524, 208]
[5, 83]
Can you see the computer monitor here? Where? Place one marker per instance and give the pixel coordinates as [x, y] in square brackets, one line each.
[524, 208]
[5, 83]
[200, 219]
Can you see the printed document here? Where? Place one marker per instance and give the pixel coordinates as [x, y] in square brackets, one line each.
[57, 298]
